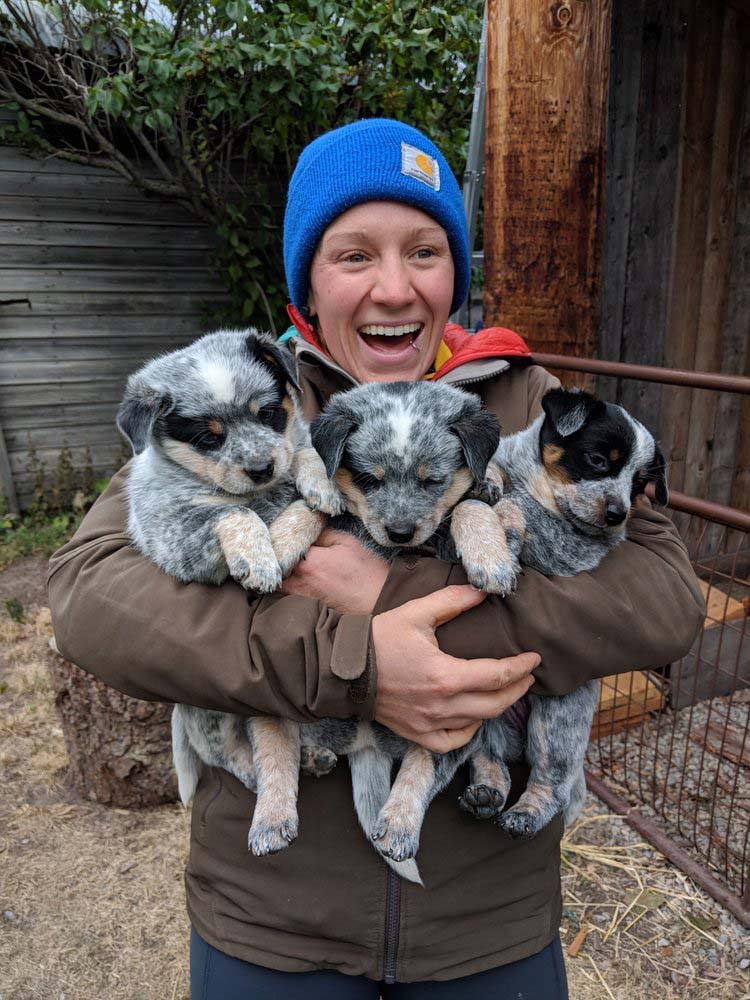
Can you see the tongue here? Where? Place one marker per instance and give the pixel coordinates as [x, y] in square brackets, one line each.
[387, 343]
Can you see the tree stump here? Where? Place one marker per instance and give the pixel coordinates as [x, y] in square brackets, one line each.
[120, 748]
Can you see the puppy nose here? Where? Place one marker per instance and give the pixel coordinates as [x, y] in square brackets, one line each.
[400, 533]
[260, 473]
[614, 514]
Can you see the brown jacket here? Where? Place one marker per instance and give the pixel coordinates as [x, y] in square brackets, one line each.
[329, 902]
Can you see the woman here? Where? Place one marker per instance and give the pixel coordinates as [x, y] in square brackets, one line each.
[376, 259]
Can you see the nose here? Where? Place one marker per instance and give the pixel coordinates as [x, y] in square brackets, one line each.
[392, 286]
[614, 514]
[259, 473]
[400, 533]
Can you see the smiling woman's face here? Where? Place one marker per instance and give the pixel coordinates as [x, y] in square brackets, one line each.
[381, 287]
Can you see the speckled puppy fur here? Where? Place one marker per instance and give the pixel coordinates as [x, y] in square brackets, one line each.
[569, 479]
[224, 483]
[409, 457]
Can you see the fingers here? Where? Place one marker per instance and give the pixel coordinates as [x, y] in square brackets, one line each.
[329, 537]
[440, 607]
[445, 740]
[488, 705]
[492, 675]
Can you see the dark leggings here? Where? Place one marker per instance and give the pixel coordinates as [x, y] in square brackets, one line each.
[216, 976]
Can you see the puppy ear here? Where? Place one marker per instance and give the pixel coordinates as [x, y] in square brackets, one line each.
[329, 433]
[479, 434]
[657, 474]
[275, 357]
[567, 410]
[139, 409]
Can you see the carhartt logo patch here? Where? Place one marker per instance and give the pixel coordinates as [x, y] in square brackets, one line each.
[420, 166]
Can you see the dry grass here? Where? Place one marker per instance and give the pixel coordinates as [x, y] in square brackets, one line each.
[93, 899]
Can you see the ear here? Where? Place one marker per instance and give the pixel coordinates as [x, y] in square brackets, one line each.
[567, 410]
[138, 411]
[657, 474]
[275, 357]
[329, 433]
[479, 434]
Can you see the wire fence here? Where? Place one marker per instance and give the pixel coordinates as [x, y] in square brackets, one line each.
[670, 747]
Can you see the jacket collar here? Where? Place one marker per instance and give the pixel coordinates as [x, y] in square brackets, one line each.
[461, 357]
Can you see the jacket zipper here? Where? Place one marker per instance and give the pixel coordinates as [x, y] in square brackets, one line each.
[392, 921]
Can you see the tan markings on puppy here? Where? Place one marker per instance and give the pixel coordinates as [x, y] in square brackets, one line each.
[614, 455]
[217, 500]
[511, 515]
[480, 540]
[601, 511]
[246, 544]
[641, 501]
[422, 472]
[551, 456]
[460, 483]
[405, 807]
[540, 488]
[486, 771]
[497, 476]
[200, 465]
[536, 799]
[254, 407]
[293, 532]
[276, 751]
[215, 427]
[378, 471]
[356, 502]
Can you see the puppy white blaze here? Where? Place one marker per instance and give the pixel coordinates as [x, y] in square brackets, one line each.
[219, 380]
[401, 423]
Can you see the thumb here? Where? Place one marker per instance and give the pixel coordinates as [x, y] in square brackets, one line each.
[440, 607]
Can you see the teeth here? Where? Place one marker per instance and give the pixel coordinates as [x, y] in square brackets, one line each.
[390, 331]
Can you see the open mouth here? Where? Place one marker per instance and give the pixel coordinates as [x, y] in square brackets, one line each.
[391, 339]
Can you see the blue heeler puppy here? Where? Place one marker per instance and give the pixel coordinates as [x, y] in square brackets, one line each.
[569, 481]
[224, 483]
[410, 458]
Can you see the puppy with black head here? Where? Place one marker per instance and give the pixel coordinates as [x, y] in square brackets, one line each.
[225, 482]
[569, 481]
[410, 459]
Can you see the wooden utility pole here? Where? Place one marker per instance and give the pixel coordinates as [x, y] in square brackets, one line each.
[546, 133]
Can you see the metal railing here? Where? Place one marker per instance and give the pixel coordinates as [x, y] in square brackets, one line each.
[670, 747]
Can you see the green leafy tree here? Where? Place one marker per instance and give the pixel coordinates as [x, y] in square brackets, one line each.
[210, 104]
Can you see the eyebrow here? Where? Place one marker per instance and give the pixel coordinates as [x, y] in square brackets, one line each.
[361, 235]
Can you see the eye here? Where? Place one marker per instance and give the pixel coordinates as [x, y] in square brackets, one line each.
[355, 258]
[267, 414]
[430, 481]
[424, 253]
[597, 461]
[367, 482]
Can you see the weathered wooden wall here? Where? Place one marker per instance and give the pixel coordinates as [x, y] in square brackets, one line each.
[676, 275]
[101, 278]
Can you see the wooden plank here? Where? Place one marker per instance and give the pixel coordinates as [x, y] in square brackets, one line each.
[18, 281]
[652, 206]
[721, 607]
[109, 389]
[147, 235]
[704, 45]
[44, 184]
[95, 210]
[59, 329]
[624, 88]
[716, 268]
[34, 416]
[625, 700]
[13, 158]
[115, 304]
[33, 373]
[90, 349]
[547, 82]
[726, 741]
[49, 438]
[95, 258]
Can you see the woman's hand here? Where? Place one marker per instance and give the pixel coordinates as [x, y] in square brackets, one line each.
[340, 571]
[428, 696]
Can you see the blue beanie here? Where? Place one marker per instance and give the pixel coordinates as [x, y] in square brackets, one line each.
[376, 159]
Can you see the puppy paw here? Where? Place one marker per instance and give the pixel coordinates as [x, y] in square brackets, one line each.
[498, 578]
[394, 842]
[317, 761]
[293, 532]
[324, 497]
[482, 801]
[266, 839]
[522, 824]
[264, 577]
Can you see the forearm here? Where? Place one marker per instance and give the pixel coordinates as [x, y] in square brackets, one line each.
[118, 616]
[641, 607]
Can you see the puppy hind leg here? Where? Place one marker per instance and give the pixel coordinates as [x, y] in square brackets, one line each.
[557, 737]
[485, 797]
[218, 738]
[276, 750]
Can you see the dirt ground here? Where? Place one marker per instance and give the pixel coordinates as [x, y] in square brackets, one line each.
[91, 898]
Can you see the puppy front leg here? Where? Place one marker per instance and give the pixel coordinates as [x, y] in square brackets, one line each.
[557, 736]
[481, 545]
[276, 752]
[313, 483]
[421, 776]
[246, 545]
[293, 532]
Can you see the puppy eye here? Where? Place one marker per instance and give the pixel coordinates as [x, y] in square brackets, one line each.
[597, 460]
[267, 414]
[430, 481]
[367, 482]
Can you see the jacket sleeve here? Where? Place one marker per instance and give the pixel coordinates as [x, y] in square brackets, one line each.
[641, 607]
[118, 616]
